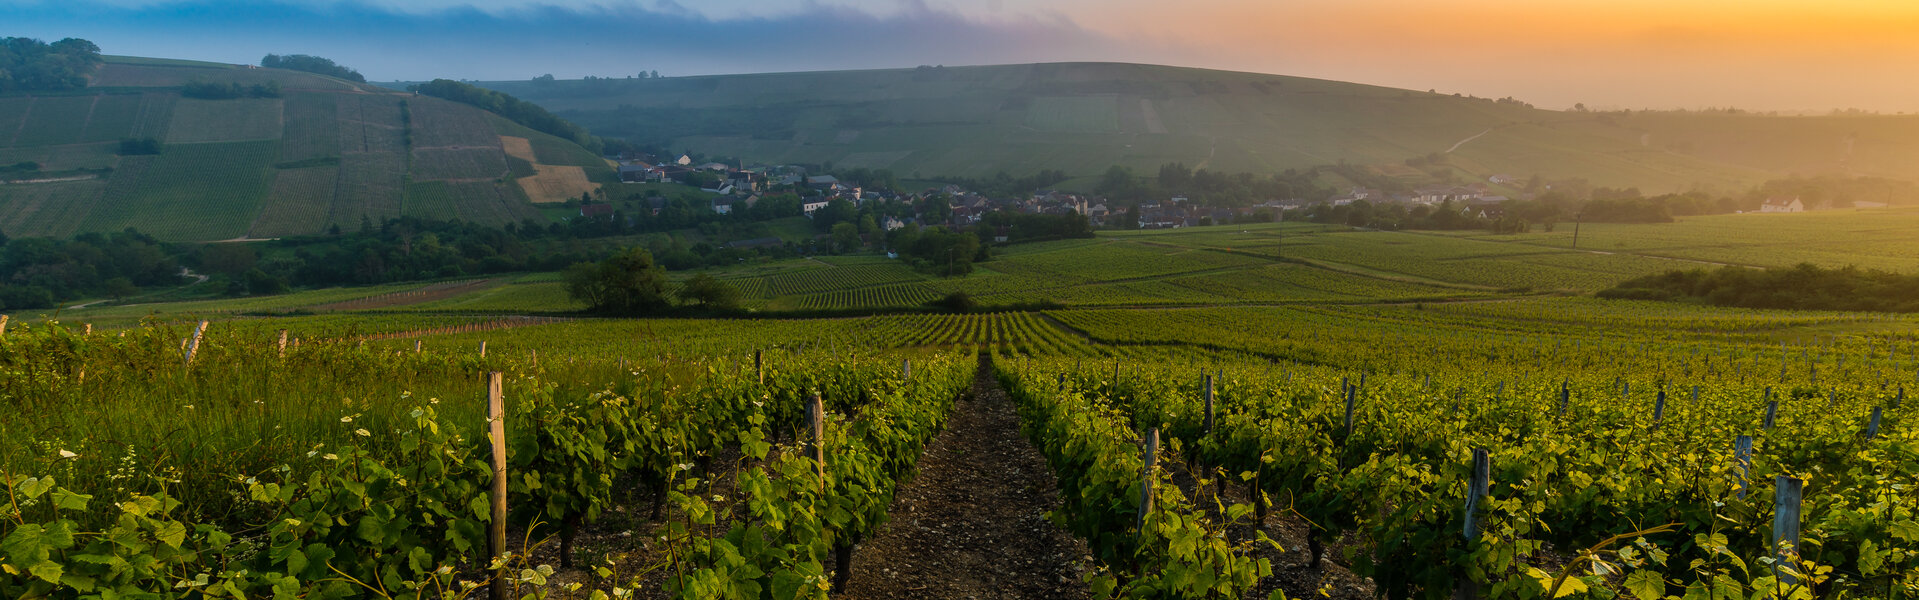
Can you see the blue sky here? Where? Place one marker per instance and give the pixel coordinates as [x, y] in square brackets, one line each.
[1753, 54]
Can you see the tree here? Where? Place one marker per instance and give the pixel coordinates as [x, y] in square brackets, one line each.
[957, 302]
[120, 287]
[311, 64]
[627, 283]
[709, 292]
[846, 237]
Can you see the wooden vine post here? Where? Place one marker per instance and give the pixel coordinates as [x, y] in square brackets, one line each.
[3, 326]
[1785, 526]
[496, 435]
[906, 369]
[1565, 396]
[89, 332]
[1209, 406]
[1742, 454]
[1476, 491]
[759, 366]
[816, 435]
[1151, 456]
[416, 346]
[283, 343]
[1659, 409]
[193, 347]
[1352, 395]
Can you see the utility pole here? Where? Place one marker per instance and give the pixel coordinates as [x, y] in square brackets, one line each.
[1576, 220]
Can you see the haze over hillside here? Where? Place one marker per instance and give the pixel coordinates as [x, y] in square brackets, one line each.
[319, 153]
[1085, 117]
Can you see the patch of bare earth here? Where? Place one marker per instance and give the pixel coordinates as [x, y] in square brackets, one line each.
[419, 295]
[972, 524]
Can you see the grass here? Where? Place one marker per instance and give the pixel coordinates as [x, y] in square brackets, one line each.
[239, 120]
[336, 158]
[193, 191]
[1084, 117]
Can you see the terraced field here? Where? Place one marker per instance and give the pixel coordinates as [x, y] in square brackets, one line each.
[328, 152]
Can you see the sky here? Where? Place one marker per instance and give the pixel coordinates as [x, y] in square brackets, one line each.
[1806, 55]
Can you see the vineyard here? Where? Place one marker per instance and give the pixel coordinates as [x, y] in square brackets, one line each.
[1630, 450]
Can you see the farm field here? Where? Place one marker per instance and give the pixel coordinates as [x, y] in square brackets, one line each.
[1427, 385]
[1086, 117]
[327, 152]
[1287, 410]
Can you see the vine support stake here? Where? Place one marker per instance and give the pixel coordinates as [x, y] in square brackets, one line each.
[1785, 526]
[3, 326]
[906, 369]
[1209, 406]
[1565, 395]
[1476, 491]
[1146, 477]
[1742, 454]
[283, 343]
[816, 440]
[193, 347]
[496, 435]
[1352, 395]
[1872, 427]
[89, 333]
[1772, 415]
[1659, 409]
[759, 366]
[416, 346]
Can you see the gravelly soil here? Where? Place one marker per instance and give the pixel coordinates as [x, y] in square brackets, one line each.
[972, 523]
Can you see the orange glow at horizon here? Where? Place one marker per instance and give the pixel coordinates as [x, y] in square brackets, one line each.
[1768, 54]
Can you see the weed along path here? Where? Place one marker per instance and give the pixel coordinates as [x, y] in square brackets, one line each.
[972, 524]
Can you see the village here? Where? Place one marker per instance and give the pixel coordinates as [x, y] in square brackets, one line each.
[732, 188]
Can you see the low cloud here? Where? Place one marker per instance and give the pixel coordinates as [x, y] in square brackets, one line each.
[506, 39]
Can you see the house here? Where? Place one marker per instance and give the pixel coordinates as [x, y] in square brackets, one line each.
[596, 210]
[1001, 234]
[723, 205]
[1503, 179]
[892, 223]
[725, 189]
[1782, 204]
[713, 166]
[822, 181]
[634, 173]
[683, 160]
[812, 203]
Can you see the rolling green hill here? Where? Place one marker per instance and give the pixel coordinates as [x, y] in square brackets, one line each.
[325, 152]
[1085, 117]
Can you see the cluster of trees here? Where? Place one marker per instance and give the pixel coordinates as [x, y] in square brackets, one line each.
[1210, 188]
[30, 65]
[38, 272]
[514, 109]
[938, 250]
[1804, 287]
[311, 64]
[1004, 185]
[229, 90]
[41, 272]
[139, 146]
[630, 283]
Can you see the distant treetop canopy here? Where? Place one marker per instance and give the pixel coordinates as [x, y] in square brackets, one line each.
[27, 64]
[514, 109]
[311, 64]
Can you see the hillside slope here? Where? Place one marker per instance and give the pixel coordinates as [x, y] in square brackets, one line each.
[325, 152]
[1085, 117]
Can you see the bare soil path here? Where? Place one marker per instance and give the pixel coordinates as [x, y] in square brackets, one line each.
[972, 524]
